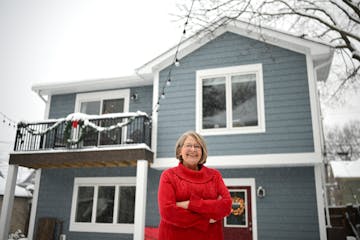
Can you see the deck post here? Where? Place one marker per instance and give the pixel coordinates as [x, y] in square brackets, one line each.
[8, 201]
[140, 199]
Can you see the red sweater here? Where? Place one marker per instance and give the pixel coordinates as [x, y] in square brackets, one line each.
[202, 188]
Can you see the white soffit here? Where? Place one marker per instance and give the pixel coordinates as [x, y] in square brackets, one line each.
[92, 85]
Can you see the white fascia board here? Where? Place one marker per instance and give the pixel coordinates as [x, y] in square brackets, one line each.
[92, 85]
[249, 161]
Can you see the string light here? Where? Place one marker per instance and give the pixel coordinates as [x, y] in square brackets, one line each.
[176, 61]
[8, 121]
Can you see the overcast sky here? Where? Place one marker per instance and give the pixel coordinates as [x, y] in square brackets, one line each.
[63, 40]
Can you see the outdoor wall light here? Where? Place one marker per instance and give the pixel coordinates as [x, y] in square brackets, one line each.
[260, 192]
[134, 96]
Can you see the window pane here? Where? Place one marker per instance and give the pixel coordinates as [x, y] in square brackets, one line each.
[214, 103]
[126, 205]
[84, 204]
[114, 136]
[244, 100]
[92, 108]
[113, 106]
[105, 204]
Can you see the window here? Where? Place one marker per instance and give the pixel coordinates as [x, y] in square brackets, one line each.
[97, 103]
[230, 100]
[103, 205]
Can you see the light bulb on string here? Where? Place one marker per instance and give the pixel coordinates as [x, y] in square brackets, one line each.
[168, 82]
[177, 63]
[163, 95]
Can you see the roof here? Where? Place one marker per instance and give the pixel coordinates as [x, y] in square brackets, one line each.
[19, 191]
[346, 169]
[92, 84]
[321, 53]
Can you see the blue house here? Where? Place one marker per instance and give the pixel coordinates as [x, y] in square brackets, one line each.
[250, 91]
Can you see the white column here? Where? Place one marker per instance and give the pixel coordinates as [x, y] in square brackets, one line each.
[34, 202]
[320, 200]
[140, 199]
[8, 201]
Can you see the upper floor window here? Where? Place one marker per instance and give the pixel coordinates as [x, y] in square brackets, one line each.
[103, 204]
[98, 103]
[230, 100]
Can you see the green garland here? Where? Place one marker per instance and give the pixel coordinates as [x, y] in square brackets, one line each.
[67, 132]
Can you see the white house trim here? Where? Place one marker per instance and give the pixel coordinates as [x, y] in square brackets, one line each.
[103, 95]
[246, 161]
[8, 201]
[155, 114]
[93, 226]
[140, 199]
[247, 182]
[34, 203]
[227, 72]
[319, 177]
[92, 85]
[314, 107]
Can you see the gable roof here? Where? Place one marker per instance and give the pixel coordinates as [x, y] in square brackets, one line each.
[345, 169]
[321, 53]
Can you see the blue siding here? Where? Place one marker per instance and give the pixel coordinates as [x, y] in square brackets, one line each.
[144, 101]
[288, 211]
[64, 104]
[55, 197]
[286, 93]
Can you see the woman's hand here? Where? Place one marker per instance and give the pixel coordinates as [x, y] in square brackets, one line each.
[183, 204]
[212, 220]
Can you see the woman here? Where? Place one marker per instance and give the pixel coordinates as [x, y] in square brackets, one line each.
[192, 198]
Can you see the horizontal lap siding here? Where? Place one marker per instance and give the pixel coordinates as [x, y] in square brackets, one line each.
[64, 104]
[286, 98]
[289, 210]
[55, 197]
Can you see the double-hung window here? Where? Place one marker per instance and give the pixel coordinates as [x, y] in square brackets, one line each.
[103, 205]
[230, 100]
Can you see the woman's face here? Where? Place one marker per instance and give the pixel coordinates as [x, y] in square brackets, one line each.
[191, 153]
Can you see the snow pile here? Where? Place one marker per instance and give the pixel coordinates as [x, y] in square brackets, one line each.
[346, 169]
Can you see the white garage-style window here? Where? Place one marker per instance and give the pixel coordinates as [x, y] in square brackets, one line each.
[103, 205]
[230, 100]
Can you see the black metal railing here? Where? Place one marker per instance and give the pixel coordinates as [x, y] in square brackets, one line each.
[84, 132]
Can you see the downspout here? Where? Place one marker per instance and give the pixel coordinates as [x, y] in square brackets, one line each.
[41, 96]
[323, 150]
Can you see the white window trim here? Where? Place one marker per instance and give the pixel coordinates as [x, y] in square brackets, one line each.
[100, 227]
[225, 72]
[104, 95]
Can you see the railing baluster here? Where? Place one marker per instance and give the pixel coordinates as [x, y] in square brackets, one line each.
[137, 131]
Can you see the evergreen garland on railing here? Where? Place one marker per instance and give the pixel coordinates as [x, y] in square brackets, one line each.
[72, 122]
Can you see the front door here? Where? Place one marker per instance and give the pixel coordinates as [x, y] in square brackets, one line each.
[238, 225]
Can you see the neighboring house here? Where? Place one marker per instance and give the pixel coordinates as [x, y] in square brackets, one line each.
[250, 92]
[346, 176]
[21, 208]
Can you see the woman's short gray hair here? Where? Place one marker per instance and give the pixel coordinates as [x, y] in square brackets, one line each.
[199, 139]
